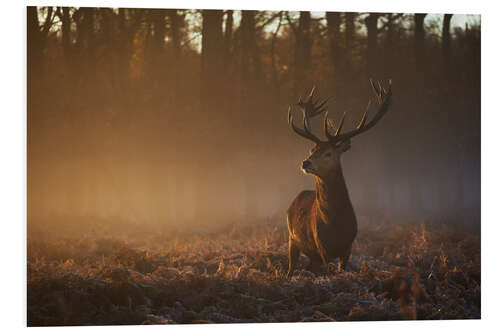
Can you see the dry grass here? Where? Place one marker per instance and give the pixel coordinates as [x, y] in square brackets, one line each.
[236, 275]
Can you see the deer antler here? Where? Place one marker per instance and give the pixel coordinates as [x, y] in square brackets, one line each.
[384, 99]
[302, 132]
[310, 109]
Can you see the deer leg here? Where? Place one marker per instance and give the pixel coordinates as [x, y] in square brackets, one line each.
[293, 257]
[344, 259]
[323, 255]
[314, 264]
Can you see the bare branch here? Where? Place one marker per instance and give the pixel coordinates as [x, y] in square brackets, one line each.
[268, 21]
[47, 24]
[290, 23]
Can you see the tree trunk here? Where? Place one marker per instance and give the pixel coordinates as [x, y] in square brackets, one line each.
[157, 69]
[389, 47]
[446, 44]
[175, 23]
[85, 29]
[460, 181]
[34, 55]
[159, 29]
[303, 47]
[228, 36]
[66, 37]
[333, 24]
[258, 75]
[247, 30]
[34, 44]
[371, 53]
[274, 70]
[84, 50]
[306, 41]
[36, 36]
[419, 41]
[349, 39]
[443, 197]
[211, 59]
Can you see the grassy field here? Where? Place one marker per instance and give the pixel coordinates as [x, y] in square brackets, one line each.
[96, 276]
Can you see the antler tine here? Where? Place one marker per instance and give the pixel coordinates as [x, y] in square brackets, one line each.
[300, 103]
[376, 89]
[305, 132]
[363, 119]
[327, 124]
[305, 119]
[340, 125]
[384, 99]
[323, 103]
[309, 110]
[320, 108]
[310, 107]
[311, 94]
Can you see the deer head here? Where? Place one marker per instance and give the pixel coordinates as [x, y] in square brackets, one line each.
[325, 156]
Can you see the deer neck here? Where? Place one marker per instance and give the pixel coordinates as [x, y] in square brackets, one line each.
[332, 198]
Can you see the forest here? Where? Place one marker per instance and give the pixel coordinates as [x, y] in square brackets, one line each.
[140, 113]
[160, 164]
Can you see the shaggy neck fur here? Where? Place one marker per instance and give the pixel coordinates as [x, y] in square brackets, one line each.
[332, 198]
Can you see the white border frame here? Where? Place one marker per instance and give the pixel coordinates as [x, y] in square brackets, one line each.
[13, 148]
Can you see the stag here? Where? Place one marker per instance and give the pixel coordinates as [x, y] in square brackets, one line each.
[322, 224]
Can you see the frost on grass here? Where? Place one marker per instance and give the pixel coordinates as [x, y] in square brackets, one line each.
[236, 275]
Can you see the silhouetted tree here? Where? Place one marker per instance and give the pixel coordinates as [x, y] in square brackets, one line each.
[228, 36]
[211, 60]
[37, 36]
[303, 48]
[349, 33]
[249, 62]
[390, 43]
[333, 20]
[158, 22]
[85, 24]
[122, 84]
[65, 18]
[371, 22]
[175, 23]
[274, 69]
[419, 35]
[445, 40]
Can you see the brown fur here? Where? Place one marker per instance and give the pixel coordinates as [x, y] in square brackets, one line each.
[322, 223]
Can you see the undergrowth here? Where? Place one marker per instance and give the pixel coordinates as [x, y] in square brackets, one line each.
[237, 274]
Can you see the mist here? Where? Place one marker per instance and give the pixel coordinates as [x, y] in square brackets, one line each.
[128, 121]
